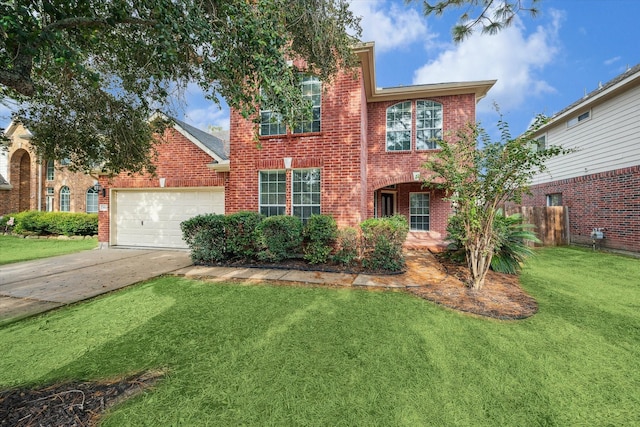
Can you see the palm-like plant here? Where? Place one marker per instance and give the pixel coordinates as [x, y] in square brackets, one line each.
[513, 237]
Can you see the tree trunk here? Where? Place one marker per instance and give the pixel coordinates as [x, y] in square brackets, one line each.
[479, 257]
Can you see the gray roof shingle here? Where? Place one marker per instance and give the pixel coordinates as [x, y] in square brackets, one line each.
[213, 143]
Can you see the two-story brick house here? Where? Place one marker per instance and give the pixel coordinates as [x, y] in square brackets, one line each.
[35, 184]
[361, 156]
[600, 181]
[358, 157]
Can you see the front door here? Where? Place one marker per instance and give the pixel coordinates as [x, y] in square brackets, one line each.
[388, 204]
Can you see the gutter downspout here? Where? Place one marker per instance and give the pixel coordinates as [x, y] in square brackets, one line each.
[40, 186]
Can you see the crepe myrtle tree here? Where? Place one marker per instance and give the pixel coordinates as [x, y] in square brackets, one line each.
[479, 180]
[87, 74]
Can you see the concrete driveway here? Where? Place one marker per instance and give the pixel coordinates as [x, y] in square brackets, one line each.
[31, 287]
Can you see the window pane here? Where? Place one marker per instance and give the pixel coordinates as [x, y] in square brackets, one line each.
[428, 125]
[272, 192]
[399, 127]
[419, 211]
[311, 92]
[306, 193]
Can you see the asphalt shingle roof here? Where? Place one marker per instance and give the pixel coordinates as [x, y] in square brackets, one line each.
[213, 143]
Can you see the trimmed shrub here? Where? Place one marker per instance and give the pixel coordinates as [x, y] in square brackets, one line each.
[382, 242]
[43, 223]
[280, 236]
[205, 235]
[320, 235]
[348, 244]
[241, 234]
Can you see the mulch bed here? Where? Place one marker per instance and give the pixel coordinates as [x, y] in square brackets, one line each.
[76, 404]
[502, 297]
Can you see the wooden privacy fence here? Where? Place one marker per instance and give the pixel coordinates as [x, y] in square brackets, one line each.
[551, 222]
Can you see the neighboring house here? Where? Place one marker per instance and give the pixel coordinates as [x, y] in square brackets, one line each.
[359, 157]
[44, 185]
[600, 181]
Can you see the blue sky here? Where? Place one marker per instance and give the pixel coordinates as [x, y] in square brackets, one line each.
[542, 64]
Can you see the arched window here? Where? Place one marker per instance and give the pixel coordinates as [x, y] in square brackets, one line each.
[92, 200]
[51, 170]
[65, 199]
[399, 127]
[428, 125]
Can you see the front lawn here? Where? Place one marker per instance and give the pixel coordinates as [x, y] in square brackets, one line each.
[15, 249]
[276, 355]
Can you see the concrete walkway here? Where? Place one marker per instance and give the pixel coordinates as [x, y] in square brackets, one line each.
[32, 287]
[421, 269]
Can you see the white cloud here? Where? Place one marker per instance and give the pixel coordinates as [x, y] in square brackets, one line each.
[612, 60]
[389, 25]
[512, 57]
[208, 115]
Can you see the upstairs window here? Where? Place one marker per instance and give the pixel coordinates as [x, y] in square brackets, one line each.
[311, 88]
[271, 121]
[540, 143]
[51, 170]
[428, 125]
[579, 119]
[399, 127]
[65, 199]
[65, 162]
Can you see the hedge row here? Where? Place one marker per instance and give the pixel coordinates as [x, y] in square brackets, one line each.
[249, 236]
[51, 223]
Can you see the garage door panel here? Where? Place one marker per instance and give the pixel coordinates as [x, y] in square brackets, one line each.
[152, 218]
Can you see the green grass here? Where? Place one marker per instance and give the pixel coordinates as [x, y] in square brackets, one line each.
[265, 355]
[16, 249]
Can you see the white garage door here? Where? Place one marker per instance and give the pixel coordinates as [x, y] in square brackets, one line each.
[151, 218]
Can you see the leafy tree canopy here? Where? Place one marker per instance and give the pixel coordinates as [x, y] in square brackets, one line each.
[88, 74]
[479, 180]
[490, 16]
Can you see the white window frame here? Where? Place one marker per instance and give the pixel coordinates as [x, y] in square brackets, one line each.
[396, 117]
[50, 170]
[269, 202]
[49, 199]
[432, 125]
[312, 91]
[305, 195]
[91, 200]
[65, 199]
[580, 118]
[413, 214]
[552, 199]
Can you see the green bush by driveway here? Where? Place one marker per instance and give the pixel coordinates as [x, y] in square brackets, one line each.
[268, 355]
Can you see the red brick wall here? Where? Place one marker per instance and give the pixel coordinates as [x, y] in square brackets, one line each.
[179, 161]
[387, 168]
[609, 200]
[336, 150]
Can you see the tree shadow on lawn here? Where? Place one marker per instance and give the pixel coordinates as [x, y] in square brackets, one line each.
[429, 276]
